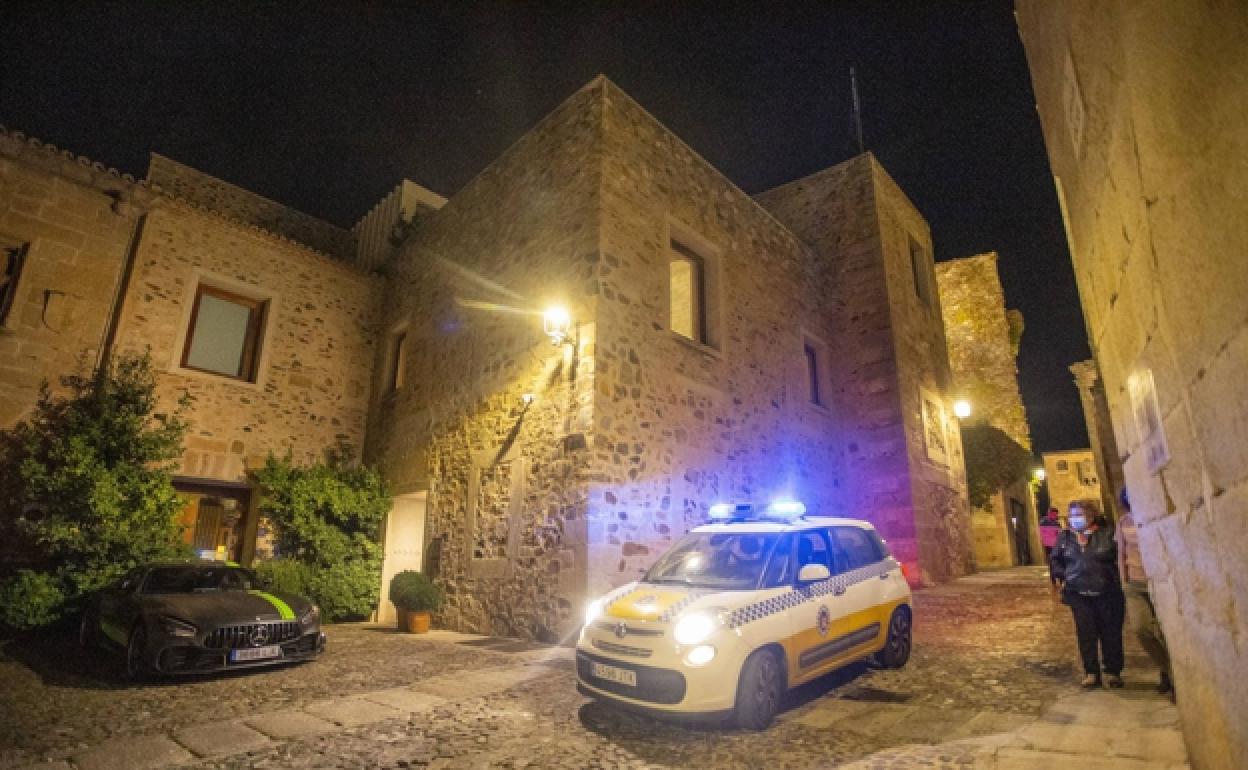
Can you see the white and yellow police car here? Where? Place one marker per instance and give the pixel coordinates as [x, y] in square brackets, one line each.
[741, 609]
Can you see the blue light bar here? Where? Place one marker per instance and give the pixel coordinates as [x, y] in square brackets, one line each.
[787, 509]
[730, 511]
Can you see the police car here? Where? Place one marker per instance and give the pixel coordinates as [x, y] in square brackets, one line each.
[739, 610]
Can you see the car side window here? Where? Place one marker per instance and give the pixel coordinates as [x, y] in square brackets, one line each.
[857, 546]
[130, 580]
[780, 570]
[812, 548]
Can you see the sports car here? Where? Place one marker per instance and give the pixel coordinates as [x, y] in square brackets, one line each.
[195, 617]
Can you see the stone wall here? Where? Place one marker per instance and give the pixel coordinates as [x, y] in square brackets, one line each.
[508, 483]
[889, 349]
[316, 355]
[1142, 106]
[233, 202]
[1100, 434]
[681, 425]
[983, 346]
[69, 214]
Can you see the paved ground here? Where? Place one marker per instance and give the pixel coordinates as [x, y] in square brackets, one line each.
[991, 685]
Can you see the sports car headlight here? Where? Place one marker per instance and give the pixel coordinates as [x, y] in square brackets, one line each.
[593, 611]
[695, 628]
[311, 616]
[176, 627]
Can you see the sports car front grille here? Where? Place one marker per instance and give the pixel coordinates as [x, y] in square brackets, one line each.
[234, 637]
[633, 630]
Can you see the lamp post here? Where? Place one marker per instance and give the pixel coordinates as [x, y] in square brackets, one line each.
[962, 408]
[557, 323]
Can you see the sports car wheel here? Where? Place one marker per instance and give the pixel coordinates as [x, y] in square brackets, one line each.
[759, 691]
[897, 647]
[87, 630]
[135, 647]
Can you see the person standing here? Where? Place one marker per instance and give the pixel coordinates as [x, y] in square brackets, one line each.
[1084, 563]
[1140, 610]
[1049, 529]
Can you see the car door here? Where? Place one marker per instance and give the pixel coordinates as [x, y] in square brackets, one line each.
[822, 619]
[119, 606]
[866, 585]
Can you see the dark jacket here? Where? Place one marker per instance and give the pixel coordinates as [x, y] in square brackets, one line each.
[1090, 570]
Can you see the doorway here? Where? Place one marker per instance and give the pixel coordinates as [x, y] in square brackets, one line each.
[403, 543]
[1018, 532]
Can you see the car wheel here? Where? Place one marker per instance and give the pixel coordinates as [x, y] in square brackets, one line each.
[897, 646]
[759, 690]
[88, 630]
[136, 668]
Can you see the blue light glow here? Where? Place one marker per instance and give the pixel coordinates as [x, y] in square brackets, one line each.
[786, 509]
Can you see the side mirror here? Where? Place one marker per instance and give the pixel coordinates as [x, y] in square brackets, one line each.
[813, 573]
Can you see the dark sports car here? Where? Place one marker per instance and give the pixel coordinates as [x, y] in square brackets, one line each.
[192, 617]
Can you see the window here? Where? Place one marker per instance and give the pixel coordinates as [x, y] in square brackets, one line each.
[225, 334]
[687, 285]
[12, 257]
[857, 545]
[1063, 466]
[398, 361]
[813, 352]
[1086, 469]
[918, 268]
[780, 569]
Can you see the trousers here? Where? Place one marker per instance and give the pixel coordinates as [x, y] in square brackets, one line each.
[1098, 623]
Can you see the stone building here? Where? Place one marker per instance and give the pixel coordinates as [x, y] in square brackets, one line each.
[1142, 107]
[1071, 475]
[983, 339]
[1100, 434]
[719, 347]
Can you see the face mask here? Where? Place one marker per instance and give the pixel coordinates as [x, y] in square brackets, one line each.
[1078, 523]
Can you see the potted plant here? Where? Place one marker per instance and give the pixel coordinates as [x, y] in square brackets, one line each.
[414, 596]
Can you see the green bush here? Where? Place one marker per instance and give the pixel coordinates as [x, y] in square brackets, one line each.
[993, 460]
[285, 576]
[413, 591]
[86, 485]
[327, 519]
[30, 599]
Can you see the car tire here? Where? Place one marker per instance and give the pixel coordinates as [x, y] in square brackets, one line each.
[88, 630]
[136, 667]
[759, 690]
[899, 641]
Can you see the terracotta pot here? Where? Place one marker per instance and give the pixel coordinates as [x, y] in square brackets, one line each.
[414, 622]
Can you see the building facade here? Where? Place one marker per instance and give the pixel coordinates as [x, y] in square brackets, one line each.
[1071, 475]
[983, 339]
[1142, 107]
[1100, 434]
[720, 347]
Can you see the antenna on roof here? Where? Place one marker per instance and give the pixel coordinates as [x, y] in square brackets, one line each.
[853, 88]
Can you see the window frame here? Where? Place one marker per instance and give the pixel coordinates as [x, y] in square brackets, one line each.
[254, 343]
[678, 251]
[681, 242]
[396, 362]
[19, 251]
[919, 272]
[814, 363]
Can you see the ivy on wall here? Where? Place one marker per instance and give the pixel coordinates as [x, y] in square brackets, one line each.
[993, 460]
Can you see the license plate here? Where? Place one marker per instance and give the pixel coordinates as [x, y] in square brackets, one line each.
[613, 674]
[255, 653]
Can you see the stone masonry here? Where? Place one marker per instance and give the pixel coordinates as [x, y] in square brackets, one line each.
[983, 349]
[1100, 434]
[1142, 107]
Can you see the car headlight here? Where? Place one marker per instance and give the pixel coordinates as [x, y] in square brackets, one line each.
[695, 628]
[311, 616]
[176, 627]
[593, 611]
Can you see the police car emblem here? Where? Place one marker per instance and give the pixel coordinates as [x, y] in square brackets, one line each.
[824, 621]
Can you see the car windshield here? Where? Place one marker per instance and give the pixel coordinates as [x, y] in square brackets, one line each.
[197, 579]
[725, 561]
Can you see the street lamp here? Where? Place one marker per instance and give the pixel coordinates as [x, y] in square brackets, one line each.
[557, 323]
[962, 408]
[1038, 474]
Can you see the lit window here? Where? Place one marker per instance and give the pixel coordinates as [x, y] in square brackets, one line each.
[12, 257]
[918, 268]
[225, 334]
[398, 361]
[688, 293]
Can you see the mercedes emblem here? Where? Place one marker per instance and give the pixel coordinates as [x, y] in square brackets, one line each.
[259, 636]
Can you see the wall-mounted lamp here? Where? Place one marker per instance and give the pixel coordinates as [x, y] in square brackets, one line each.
[526, 399]
[1038, 474]
[962, 408]
[557, 323]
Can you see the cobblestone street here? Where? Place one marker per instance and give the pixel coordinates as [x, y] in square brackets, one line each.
[990, 685]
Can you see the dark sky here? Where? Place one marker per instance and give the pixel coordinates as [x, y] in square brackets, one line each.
[326, 107]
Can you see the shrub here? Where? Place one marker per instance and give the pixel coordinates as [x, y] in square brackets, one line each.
[327, 519]
[286, 576]
[413, 591]
[30, 599]
[993, 460]
[86, 484]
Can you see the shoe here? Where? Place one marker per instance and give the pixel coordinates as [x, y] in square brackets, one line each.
[1115, 681]
[1090, 681]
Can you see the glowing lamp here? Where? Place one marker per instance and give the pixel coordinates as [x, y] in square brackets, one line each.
[557, 323]
[786, 509]
[722, 511]
[1038, 474]
[962, 408]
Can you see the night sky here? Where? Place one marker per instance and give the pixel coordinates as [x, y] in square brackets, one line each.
[326, 107]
